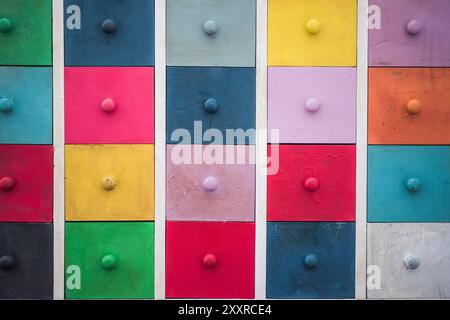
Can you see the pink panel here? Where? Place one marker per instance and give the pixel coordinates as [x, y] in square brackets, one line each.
[312, 104]
[109, 105]
[210, 260]
[210, 192]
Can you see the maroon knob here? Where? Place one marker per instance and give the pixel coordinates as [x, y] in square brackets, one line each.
[6, 183]
[311, 184]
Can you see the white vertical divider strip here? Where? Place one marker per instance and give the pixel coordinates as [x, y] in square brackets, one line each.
[160, 148]
[361, 152]
[58, 144]
[261, 149]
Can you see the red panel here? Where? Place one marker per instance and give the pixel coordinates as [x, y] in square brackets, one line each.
[192, 271]
[30, 199]
[333, 199]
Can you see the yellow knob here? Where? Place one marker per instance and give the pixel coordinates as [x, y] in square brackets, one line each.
[109, 183]
[313, 26]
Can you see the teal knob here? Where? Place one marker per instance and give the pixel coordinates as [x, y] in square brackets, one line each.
[6, 105]
[211, 105]
[5, 25]
[109, 262]
[413, 184]
[311, 261]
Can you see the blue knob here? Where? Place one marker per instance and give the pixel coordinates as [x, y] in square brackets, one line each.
[211, 105]
[413, 184]
[6, 104]
[311, 261]
[109, 26]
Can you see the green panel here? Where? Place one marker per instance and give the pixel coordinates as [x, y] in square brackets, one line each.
[27, 40]
[132, 246]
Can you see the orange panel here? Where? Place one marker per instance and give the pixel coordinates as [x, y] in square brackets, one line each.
[409, 106]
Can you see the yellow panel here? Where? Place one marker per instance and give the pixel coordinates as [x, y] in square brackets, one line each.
[290, 43]
[127, 170]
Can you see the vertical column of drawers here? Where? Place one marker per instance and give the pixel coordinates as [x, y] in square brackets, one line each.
[210, 201]
[409, 152]
[311, 191]
[26, 151]
[109, 152]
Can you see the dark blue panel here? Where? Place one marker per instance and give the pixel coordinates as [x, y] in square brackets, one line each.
[328, 248]
[131, 44]
[233, 107]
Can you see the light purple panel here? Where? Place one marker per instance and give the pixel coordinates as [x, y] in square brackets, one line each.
[393, 45]
[295, 114]
[233, 199]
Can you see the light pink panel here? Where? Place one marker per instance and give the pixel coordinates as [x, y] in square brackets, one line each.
[109, 105]
[210, 192]
[312, 104]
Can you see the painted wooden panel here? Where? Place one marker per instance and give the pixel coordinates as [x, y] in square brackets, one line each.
[212, 189]
[114, 260]
[219, 98]
[409, 106]
[211, 33]
[109, 105]
[310, 260]
[26, 32]
[410, 259]
[109, 182]
[312, 32]
[410, 33]
[26, 261]
[109, 33]
[314, 183]
[312, 105]
[25, 105]
[26, 183]
[210, 260]
[408, 184]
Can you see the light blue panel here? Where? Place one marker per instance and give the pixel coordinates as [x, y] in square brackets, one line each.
[409, 184]
[233, 43]
[310, 260]
[28, 119]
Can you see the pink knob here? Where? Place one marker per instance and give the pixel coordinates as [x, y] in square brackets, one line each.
[311, 184]
[108, 105]
[210, 184]
[6, 183]
[209, 260]
[312, 105]
[414, 27]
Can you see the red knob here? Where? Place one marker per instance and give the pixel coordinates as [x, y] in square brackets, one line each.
[6, 183]
[311, 184]
[209, 260]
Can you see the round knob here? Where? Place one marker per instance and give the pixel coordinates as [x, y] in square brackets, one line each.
[311, 261]
[211, 105]
[313, 26]
[7, 261]
[6, 183]
[312, 105]
[209, 260]
[210, 27]
[413, 106]
[109, 183]
[210, 184]
[109, 262]
[109, 26]
[413, 184]
[108, 105]
[311, 184]
[5, 25]
[411, 261]
[414, 27]
[6, 104]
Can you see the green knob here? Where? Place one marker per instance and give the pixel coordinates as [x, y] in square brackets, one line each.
[109, 262]
[5, 25]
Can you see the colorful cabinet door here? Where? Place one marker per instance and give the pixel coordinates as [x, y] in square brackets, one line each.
[313, 183]
[213, 190]
[109, 182]
[26, 183]
[26, 261]
[106, 260]
[109, 105]
[408, 184]
[312, 32]
[210, 260]
[409, 33]
[109, 32]
[409, 106]
[25, 105]
[310, 260]
[411, 260]
[211, 33]
[312, 105]
[26, 33]
[199, 99]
